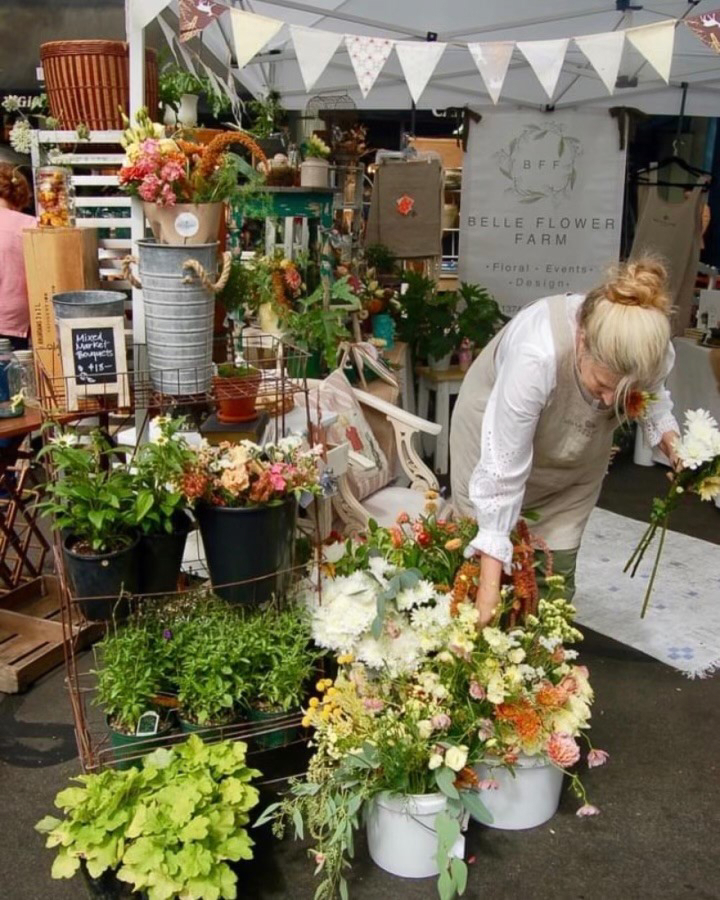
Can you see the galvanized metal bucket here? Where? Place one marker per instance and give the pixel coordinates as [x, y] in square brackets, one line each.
[86, 304]
[179, 314]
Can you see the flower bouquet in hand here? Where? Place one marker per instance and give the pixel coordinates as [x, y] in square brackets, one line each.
[698, 453]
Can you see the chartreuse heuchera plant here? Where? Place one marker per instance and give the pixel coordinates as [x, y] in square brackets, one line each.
[168, 829]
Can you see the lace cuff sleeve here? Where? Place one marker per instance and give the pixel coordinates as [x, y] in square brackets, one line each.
[494, 544]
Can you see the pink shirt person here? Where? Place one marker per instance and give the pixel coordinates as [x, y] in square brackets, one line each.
[14, 196]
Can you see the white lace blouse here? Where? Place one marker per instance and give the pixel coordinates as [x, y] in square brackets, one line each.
[526, 370]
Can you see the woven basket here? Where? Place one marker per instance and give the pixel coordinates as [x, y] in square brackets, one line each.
[88, 81]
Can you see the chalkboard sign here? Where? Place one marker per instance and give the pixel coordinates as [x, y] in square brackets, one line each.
[94, 361]
[94, 358]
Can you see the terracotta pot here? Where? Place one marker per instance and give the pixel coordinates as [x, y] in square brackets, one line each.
[236, 397]
[185, 223]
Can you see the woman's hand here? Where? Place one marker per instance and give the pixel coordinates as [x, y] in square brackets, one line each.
[487, 599]
[668, 443]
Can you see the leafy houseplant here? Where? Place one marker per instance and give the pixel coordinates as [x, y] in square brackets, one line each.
[268, 116]
[175, 84]
[93, 502]
[320, 328]
[434, 323]
[380, 258]
[160, 506]
[235, 388]
[167, 829]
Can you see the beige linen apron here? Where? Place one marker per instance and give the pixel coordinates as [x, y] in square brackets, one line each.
[571, 448]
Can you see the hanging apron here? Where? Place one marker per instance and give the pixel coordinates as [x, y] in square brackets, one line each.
[571, 447]
[673, 230]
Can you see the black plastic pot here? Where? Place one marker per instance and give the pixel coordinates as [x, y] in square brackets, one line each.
[103, 579]
[249, 543]
[161, 557]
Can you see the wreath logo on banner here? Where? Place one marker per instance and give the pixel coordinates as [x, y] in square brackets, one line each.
[540, 163]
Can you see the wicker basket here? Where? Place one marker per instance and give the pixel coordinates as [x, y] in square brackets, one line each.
[88, 81]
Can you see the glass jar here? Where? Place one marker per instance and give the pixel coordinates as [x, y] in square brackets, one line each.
[9, 375]
[22, 379]
[54, 197]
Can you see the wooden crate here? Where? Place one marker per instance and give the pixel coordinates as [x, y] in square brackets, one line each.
[31, 634]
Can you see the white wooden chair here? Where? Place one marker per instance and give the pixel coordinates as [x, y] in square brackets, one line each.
[386, 504]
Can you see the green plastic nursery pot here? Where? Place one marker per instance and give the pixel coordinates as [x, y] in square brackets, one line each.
[209, 731]
[98, 581]
[314, 366]
[249, 549]
[279, 737]
[130, 745]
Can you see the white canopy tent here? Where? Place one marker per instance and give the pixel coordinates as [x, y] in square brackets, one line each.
[456, 81]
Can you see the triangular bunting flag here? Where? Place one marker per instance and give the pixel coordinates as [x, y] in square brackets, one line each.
[418, 60]
[604, 52]
[196, 15]
[656, 43]
[368, 55]
[251, 33]
[142, 12]
[314, 49]
[493, 60]
[169, 36]
[546, 59]
[707, 28]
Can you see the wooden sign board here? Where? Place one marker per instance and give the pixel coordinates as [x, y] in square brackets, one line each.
[93, 358]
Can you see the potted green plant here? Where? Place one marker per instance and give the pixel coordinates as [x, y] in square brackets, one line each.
[129, 677]
[169, 829]
[381, 259]
[479, 317]
[160, 505]
[235, 388]
[320, 328]
[315, 168]
[428, 320]
[245, 500]
[91, 500]
[180, 91]
[282, 662]
[268, 122]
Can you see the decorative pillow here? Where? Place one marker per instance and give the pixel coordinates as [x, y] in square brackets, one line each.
[336, 395]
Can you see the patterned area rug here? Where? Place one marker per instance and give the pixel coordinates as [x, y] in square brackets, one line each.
[682, 624]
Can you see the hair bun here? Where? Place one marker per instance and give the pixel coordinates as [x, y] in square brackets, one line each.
[642, 282]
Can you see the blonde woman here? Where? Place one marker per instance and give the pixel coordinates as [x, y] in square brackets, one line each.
[533, 425]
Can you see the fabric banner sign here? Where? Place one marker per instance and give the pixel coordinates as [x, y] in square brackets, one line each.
[493, 60]
[196, 15]
[418, 60]
[314, 50]
[707, 28]
[542, 201]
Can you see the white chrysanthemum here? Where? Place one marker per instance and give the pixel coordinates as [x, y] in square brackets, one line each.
[348, 609]
[21, 137]
[418, 595]
[425, 591]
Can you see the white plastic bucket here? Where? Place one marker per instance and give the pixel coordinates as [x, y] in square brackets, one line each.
[401, 834]
[315, 173]
[526, 797]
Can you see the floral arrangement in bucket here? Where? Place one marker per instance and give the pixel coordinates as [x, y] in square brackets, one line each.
[169, 172]
[427, 709]
[246, 474]
[698, 453]
[314, 170]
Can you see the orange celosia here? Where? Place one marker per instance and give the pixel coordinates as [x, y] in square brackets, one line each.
[521, 715]
[467, 576]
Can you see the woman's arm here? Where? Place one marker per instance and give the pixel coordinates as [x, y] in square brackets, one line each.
[524, 381]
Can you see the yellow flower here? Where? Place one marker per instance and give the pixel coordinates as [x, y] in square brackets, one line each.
[313, 702]
[431, 495]
[306, 721]
[345, 659]
[454, 544]
[323, 684]
[325, 714]
[709, 488]
[332, 692]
